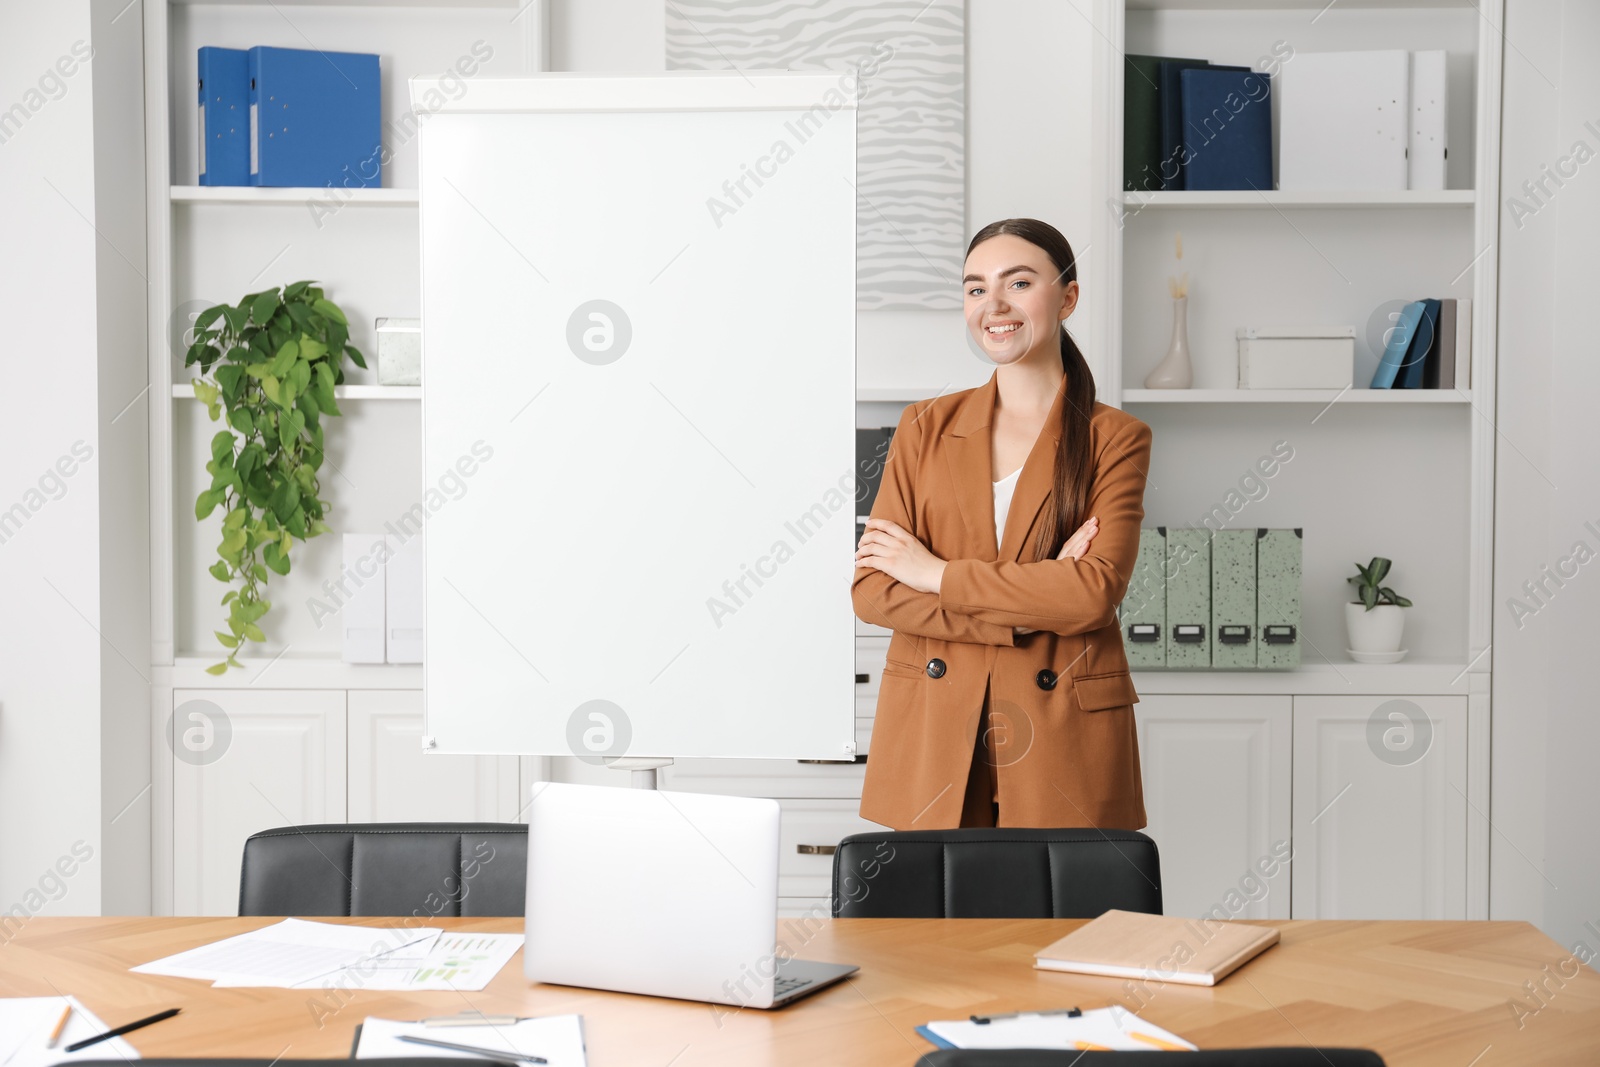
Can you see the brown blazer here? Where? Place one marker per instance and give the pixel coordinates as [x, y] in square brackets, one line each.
[1061, 699]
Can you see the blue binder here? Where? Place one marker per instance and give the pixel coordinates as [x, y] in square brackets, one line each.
[1171, 105]
[224, 116]
[315, 118]
[1227, 128]
[1394, 351]
[1425, 337]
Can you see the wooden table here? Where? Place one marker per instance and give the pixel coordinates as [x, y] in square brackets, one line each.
[1418, 992]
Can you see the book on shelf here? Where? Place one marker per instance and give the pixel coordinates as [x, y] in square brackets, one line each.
[1429, 346]
[1145, 169]
[1227, 128]
[1423, 340]
[1175, 146]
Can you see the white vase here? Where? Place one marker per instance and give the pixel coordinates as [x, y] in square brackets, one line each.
[1378, 630]
[1175, 372]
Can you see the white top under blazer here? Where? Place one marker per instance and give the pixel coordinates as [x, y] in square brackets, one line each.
[1003, 489]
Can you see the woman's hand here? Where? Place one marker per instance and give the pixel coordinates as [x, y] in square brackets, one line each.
[891, 549]
[1075, 546]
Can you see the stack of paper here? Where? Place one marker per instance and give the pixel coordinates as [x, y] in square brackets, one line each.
[556, 1038]
[298, 954]
[1113, 1028]
[26, 1024]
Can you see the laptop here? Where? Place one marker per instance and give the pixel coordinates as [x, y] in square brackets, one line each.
[664, 893]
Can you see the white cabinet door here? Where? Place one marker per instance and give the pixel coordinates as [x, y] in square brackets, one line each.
[1217, 793]
[393, 780]
[1380, 807]
[808, 836]
[247, 760]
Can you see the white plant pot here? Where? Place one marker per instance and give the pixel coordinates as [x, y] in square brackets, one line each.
[1378, 630]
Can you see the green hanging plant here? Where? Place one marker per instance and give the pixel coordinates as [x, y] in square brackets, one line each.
[270, 363]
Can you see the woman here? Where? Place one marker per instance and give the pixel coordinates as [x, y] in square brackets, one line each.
[1001, 542]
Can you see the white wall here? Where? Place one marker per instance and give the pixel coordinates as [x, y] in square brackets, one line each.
[1545, 845]
[1027, 153]
[123, 453]
[74, 642]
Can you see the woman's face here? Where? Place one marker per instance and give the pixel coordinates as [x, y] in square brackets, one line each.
[1013, 299]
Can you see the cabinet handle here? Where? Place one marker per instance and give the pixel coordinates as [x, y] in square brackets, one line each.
[862, 679]
[816, 850]
[833, 762]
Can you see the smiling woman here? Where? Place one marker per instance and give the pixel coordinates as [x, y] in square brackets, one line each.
[1006, 698]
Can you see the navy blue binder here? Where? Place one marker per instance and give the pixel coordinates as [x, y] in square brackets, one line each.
[1172, 131]
[1227, 128]
[1423, 338]
[315, 118]
[224, 116]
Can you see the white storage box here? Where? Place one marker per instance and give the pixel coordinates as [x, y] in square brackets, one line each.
[1296, 357]
[399, 351]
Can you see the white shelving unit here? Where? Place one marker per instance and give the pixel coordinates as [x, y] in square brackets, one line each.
[241, 194]
[313, 737]
[1414, 483]
[1296, 396]
[181, 391]
[1298, 198]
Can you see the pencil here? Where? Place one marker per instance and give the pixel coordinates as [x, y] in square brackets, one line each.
[61, 1024]
[123, 1029]
[1151, 1039]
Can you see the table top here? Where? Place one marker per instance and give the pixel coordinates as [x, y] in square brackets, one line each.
[1420, 993]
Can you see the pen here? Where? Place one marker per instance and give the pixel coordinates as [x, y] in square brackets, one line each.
[492, 1053]
[985, 1020]
[61, 1024]
[123, 1029]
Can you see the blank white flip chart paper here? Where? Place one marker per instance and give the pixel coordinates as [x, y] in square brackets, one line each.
[638, 305]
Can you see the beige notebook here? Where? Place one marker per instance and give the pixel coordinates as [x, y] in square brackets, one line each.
[1160, 948]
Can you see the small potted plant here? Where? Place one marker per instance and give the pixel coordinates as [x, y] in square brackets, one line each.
[1376, 620]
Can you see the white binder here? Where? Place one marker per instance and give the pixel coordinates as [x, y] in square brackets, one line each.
[361, 614]
[1427, 153]
[1344, 120]
[405, 599]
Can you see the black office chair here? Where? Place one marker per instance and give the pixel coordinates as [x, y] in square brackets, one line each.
[425, 869]
[1216, 1057]
[995, 874]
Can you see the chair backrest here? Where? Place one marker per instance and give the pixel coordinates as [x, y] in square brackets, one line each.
[995, 874]
[426, 869]
[1217, 1057]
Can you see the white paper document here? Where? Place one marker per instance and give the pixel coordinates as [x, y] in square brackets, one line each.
[1097, 1028]
[292, 952]
[558, 1038]
[26, 1023]
[464, 961]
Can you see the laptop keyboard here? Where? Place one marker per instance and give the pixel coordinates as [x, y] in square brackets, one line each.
[781, 985]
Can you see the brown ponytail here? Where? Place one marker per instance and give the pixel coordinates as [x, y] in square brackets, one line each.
[1074, 466]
